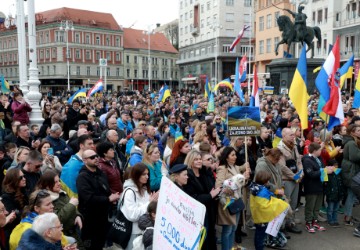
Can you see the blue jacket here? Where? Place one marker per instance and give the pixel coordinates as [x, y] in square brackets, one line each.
[155, 175]
[61, 146]
[125, 127]
[31, 240]
[136, 156]
[129, 146]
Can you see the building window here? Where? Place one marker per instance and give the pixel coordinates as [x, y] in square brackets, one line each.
[117, 42]
[324, 46]
[127, 59]
[97, 40]
[135, 59]
[54, 70]
[208, 6]
[268, 21]
[98, 71]
[326, 14]
[117, 56]
[117, 71]
[53, 53]
[97, 55]
[319, 17]
[77, 54]
[41, 54]
[108, 71]
[261, 47]
[229, 2]
[261, 23]
[77, 70]
[135, 73]
[88, 55]
[107, 41]
[47, 55]
[88, 70]
[229, 17]
[226, 48]
[108, 56]
[128, 73]
[268, 45]
[247, 3]
[87, 39]
[59, 36]
[77, 38]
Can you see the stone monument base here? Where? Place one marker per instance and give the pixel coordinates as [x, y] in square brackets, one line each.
[282, 73]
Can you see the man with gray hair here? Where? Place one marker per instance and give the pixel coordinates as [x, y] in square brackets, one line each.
[61, 149]
[46, 233]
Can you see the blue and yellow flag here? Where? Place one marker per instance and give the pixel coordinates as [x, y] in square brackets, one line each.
[164, 93]
[346, 71]
[79, 93]
[211, 103]
[356, 102]
[207, 88]
[226, 83]
[178, 136]
[298, 90]
[69, 174]
[265, 206]
[5, 86]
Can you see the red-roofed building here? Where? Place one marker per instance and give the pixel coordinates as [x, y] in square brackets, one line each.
[96, 35]
[139, 47]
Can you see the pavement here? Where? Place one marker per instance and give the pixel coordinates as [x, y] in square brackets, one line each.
[331, 239]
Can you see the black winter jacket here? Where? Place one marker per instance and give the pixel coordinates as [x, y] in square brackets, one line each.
[312, 182]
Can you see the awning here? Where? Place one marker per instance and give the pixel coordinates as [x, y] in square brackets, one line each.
[189, 79]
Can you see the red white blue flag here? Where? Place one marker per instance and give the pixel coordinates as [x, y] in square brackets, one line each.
[239, 36]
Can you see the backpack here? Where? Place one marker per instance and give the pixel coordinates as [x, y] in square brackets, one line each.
[138, 241]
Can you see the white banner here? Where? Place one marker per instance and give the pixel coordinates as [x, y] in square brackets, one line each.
[274, 225]
[179, 219]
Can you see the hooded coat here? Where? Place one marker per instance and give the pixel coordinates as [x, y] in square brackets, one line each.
[32, 240]
[351, 162]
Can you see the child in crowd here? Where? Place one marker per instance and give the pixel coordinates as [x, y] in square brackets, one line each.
[264, 206]
[334, 194]
[313, 187]
[146, 223]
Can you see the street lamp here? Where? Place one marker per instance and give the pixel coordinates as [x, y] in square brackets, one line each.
[67, 25]
[216, 26]
[149, 32]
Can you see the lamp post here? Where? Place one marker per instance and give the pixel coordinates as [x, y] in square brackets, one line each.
[215, 27]
[34, 94]
[149, 32]
[67, 25]
[21, 34]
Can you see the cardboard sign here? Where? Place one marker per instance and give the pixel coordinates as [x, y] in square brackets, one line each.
[269, 90]
[274, 225]
[244, 121]
[179, 219]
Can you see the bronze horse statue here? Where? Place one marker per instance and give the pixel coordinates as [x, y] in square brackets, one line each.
[289, 34]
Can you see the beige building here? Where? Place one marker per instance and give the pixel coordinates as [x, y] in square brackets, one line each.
[267, 31]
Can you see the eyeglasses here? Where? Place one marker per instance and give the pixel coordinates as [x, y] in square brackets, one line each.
[21, 177]
[92, 157]
[59, 227]
[40, 195]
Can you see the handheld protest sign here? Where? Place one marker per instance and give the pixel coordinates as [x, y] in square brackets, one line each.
[179, 219]
[243, 121]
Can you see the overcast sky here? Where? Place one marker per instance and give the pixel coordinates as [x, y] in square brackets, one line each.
[139, 13]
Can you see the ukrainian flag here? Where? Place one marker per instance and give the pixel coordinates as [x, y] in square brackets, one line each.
[298, 89]
[356, 102]
[164, 93]
[79, 93]
[5, 87]
[225, 82]
[178, 136]
[346, 71]
[211, 104]
[207, 88]
[265, 207]
[69, 174]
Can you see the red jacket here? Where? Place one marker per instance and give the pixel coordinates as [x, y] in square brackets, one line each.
[113, 175]
[21, 111]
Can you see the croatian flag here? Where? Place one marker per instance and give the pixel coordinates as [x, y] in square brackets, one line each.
[242, 68]
[328, 84]
[254, 101]
[99, 86]
[239, 36]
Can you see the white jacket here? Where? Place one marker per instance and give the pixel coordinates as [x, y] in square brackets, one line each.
[132, 209]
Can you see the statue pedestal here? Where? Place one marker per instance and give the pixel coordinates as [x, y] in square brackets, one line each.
[282, 73]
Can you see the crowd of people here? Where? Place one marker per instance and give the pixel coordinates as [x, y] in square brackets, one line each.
[64, 181]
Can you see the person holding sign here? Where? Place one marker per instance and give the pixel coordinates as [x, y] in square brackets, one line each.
[201, 186]
[226, 170]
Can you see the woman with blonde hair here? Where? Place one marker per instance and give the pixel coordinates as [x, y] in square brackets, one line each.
[201, 186]
[170, 142]
[157, 168]
[20, 156]
[198, 138]
[200, 126]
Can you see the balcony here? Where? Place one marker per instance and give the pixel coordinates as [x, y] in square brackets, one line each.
[195, 31]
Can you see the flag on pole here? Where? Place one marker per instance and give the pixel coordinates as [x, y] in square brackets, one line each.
[328, 84]
[211, 104]
[298, 89]
[164, 93]
[237, 86]
[207, 88]
[79, 93]
[356, 102]
[346, 71]
[99, 86]
[242, 69]
[5, 86]
[239, 36]
[254, 101]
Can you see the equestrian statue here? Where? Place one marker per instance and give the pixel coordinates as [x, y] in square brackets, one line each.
[297, 31]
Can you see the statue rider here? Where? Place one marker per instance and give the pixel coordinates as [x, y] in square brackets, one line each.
[300, 23]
